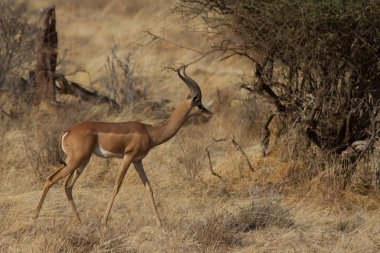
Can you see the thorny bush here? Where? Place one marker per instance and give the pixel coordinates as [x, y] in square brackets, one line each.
[317, 63]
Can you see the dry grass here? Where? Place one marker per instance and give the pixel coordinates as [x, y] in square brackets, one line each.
[264, 211]
[191, 153]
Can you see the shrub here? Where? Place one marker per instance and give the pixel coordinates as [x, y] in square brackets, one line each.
[16, 44]
[317, 62]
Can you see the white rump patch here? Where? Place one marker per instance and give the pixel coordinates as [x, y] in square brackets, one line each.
[98, 151]
[63, 137]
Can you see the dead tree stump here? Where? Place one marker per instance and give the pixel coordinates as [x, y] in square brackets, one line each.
[47, 81]
[46, 57]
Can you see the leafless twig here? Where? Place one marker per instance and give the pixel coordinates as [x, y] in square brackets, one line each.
[157, 37]
[6, 113]
[236, 145]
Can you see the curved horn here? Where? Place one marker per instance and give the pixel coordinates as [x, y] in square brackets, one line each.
[193, 86]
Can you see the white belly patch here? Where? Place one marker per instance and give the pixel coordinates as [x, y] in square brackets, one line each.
[98, 151]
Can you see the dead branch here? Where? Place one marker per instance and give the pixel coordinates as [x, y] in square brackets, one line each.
[266, 135]
[354, 154]
[65, 86]
[175, 68]
[210, 164]
[9, 115]
[236, 145]
[157, 37]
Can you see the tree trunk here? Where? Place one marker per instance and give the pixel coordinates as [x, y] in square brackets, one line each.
[46, 57]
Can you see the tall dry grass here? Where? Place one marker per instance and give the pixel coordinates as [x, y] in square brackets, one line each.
[273, 209]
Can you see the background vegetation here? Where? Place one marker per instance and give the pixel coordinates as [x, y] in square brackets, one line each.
[294, 83]
[315, 62]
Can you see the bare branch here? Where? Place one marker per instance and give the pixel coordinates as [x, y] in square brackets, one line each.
[266, 135]
[157, 37]
[65, 86]
[236, 145]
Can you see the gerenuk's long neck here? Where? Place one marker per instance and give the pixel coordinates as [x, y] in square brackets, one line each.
[170, 127]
